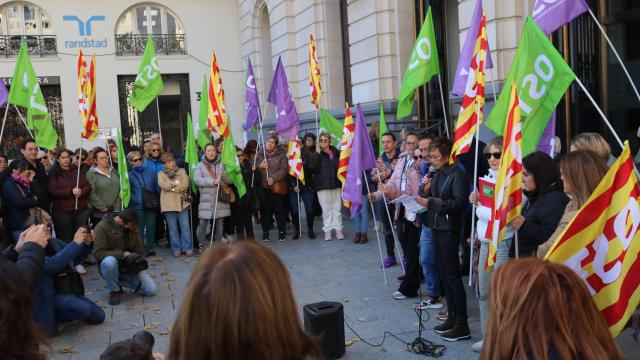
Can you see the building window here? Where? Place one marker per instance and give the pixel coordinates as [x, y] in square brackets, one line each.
[29, 23]
[143, 20]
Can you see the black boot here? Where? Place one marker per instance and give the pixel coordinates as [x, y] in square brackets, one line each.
[296, 233]
[312, 235]
[447, 324]
[282, 236]
[265, 236]
[460, 331]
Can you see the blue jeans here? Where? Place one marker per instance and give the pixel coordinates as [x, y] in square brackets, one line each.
[179, 229]
[484, 276]
[307, 198]
[361, 220]
[110, 272]
[429, 262]
[71, 308]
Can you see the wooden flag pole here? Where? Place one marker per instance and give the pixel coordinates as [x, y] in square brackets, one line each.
[384, 271]
[475, 185]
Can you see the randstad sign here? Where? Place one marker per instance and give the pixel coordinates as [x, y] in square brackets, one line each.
[84, 30]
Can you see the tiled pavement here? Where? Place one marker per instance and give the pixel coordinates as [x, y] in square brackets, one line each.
[320, 270]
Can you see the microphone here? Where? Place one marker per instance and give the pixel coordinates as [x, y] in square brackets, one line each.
[432, 171]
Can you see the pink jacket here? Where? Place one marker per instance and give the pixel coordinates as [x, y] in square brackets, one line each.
[393, 185]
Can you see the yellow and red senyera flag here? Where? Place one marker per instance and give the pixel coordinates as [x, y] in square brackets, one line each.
[294, 156]
[602, 243]
[348, 132]
[217, 120]
[507, 195]
[471, 110]
[87, 97]
[314, 73]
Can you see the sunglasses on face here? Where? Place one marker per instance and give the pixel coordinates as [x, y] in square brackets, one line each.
[136, 160]
[324, 140]
[417, 157]
[155, 150]
[496, 155]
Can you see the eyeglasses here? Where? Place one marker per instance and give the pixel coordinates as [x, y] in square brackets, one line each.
[417, 157]
[155, 150]
[324, 140]
[496, 155]
[136, 160]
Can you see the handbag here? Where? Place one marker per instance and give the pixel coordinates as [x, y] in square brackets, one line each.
[69, 282]
[150, 200]
[280, 188]
[226, 194]
[186, 197]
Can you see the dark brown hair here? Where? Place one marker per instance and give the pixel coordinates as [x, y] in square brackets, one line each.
[239, 305]
[541, 310]
[443, 145]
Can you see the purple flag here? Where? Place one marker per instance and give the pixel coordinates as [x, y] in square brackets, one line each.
[361, 159]
[287, 123]
[4, 93]
[551, 14]
[464, 62]
[251, 97]
[546, 143]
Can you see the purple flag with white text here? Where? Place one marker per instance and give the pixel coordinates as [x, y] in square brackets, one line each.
[287, 123]
[551, 14]
[464, 62]
[362, 158]
[546, 144]
[251, 97]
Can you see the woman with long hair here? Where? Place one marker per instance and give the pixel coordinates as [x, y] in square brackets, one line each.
[174, 182]
[545, 204]
[540, 310]
[239, 305]
[105, 186]
[594, 142]
[581, 172]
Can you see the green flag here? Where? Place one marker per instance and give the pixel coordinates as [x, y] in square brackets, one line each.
[125, 186]
[331, 125]
[383, 129]
[231, 164]
[423, 65]
[148, 83]
[204, 135]
[191, 153]
[542, 77]
[25, 91]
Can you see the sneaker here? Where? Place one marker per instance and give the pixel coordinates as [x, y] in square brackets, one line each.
[339, 235]
[399, 296]
[265, 236]
[430, 303]
[477, 346]
[80, 269]
[445, 326]
[327, 236]
[459, 332]
[388, 261]
[114, 297]
[281, 239]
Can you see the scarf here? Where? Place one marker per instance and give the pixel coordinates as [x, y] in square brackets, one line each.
[272, 152]
[25, 183]
[210, 161]
[170, 173]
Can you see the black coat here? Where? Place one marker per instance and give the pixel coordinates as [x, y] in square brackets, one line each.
[325, 171]
[542, 214]
[30, 261]
[38, 184]
[447, 196]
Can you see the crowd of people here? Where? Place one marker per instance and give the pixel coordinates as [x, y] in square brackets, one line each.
[89, 225]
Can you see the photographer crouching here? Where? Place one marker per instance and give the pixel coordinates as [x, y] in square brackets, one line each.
[119, 251]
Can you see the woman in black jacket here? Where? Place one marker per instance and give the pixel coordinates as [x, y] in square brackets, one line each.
[326, 183]
[445, 196]
[545, 204]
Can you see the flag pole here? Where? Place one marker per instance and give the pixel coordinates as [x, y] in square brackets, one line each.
[493, 86]
[24, 122]
[215, 207]
[4, 121]
[78, 175]
[317, 127]
[393, 232]
[158, 111]
[475, 185]
[444, 108]
[299, 213]
[384, 271]
[615, 52]
[604, 117]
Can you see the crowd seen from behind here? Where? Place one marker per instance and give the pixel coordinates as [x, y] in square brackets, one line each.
[62, 211]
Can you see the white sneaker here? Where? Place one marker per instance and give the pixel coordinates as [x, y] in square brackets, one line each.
[430, 303]
[477, 347]
[80, 269]
[399, 296]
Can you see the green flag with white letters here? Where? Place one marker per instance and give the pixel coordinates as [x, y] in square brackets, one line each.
[25, 91]
[423, 65]
[542, 77]
[148, 83]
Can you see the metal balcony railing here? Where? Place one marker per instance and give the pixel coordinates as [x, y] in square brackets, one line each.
[167, 44]
[39, 45]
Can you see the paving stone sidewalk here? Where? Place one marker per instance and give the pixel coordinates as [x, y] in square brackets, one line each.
[320, 270]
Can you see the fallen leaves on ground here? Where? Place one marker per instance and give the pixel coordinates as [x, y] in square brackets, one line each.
[67, 350]
[153, 325]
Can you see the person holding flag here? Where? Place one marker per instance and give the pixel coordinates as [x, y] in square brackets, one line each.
[272, 167]
[208, 177]
[300, 184]
[105, 187]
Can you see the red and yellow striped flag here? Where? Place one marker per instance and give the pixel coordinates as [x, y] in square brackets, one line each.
[87, 97]
[348, 131]
[314, 73]
[294, 154]
[507, 195]
[217, 119]
[602, 243]
[472, 110]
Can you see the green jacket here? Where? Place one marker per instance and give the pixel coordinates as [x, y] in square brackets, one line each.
[112, 240]
[105, 191]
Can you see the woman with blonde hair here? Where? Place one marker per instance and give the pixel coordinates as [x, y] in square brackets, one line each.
[174, 183]
[239, 305]
[581, 172]
[594, 142]
[541, 310]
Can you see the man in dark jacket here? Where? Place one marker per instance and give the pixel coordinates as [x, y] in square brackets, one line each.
[29, 152]
[117, 241]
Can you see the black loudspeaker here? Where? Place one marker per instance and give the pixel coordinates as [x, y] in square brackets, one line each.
[325, 320]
